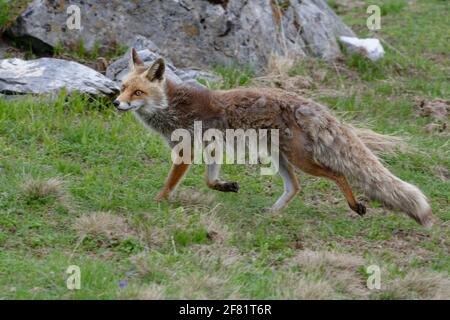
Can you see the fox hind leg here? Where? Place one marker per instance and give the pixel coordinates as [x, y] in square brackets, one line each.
[355, 205]
[291, 185]
[213, 181]
[299, 156]
[319, 171]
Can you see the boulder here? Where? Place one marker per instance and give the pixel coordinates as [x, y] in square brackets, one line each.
[118, 69]
[149, 52]
[192, 33]
[48, 75]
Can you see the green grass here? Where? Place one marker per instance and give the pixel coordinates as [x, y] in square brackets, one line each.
[232, 76]
[4, 12]
[197, 246]
[9, 10]
[80, 53]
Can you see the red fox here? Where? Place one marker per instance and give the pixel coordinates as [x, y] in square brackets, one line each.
[311, 138]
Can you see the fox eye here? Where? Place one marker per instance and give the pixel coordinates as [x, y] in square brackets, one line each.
[137, 93]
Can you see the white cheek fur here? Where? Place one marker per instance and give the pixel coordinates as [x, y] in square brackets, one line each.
[124, 106]
[137, 103]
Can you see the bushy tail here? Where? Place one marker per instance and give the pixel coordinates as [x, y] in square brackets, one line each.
[338, 147]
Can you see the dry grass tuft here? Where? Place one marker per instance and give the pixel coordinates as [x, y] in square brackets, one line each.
[204, 286]
[277, 76]
[217, 231]
[228, 256]
[339, 261]
[156, 237]
[442, 172]
[298, 287]
[280, 65]
[103, 224]
[381, 143]
[419, 284]
[45, 189]
[191, 197]
[152, 292]
[340, 270]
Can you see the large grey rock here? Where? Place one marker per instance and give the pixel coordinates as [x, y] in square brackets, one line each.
[192, 33]
[118, 69]
[48, 75]
[149, 52]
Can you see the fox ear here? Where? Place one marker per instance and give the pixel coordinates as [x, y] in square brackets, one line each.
[135, 60]
[156, 70]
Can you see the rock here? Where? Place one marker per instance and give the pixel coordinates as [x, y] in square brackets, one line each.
[370, 48]
[118, 69]
[48, 75]
[191, 33]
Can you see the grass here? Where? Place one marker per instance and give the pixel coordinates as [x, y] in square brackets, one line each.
[9, 10]
[80, 53]
[77, 181]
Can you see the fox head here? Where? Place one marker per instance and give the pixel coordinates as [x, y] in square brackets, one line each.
[144, 87]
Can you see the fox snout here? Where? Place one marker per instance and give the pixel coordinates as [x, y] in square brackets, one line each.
[121, 106]
[116, 103]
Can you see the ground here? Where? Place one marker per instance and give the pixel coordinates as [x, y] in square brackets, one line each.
[77, 181]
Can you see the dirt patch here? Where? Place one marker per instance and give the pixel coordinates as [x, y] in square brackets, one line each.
[438, 128]
[438, 109]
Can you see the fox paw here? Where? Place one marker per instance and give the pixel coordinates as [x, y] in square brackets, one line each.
[360, 208]
[228, 187]
[160, 197]
[266, 210]
[273, 212]
[232, 186]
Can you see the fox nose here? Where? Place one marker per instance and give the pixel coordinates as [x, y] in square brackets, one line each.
[116, 103]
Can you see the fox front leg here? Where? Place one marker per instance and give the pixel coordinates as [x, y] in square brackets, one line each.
[213, 181]
[173, 179]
